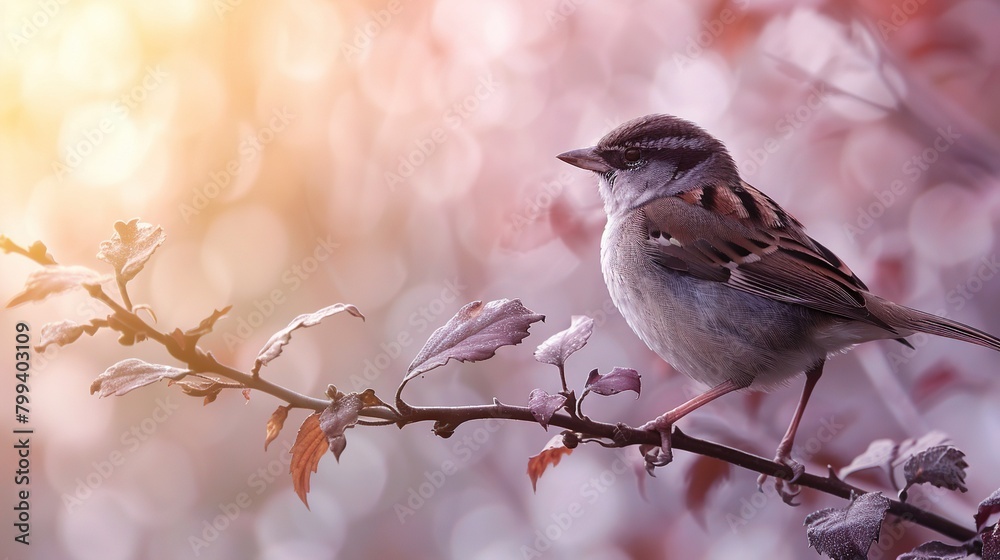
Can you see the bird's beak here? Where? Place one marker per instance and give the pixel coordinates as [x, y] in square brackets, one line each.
[586, 158]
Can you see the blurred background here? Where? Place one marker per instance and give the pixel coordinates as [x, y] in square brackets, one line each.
[400, 156]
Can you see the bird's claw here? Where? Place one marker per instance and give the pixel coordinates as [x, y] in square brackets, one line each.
[657, 456]
[791, 491]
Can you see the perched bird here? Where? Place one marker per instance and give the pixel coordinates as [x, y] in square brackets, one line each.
[720, 281]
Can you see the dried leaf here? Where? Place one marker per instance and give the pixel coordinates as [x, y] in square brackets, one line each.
[549, 455]
[65, 332]
[272, 349]
[616, 381]
[936, 550]
[880, 453]
[131, 374]
[275, 423]
[474, 333]
[847, 533]
[339, 416]
[942, 466]
[309, 447]
[704, 475]
[51, 280]
[987, 507]
[560, 346]
[544, 405]
[130, 247]
[189, 338]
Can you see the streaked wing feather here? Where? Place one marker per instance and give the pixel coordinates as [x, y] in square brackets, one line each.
[747, 241]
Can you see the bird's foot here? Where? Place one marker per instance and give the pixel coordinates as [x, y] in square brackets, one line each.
[662, 455]
[788, 492]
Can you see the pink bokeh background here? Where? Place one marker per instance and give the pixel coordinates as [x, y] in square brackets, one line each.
[400, 156]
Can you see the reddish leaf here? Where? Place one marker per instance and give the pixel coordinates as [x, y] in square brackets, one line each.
[704, 475]
[339, 416]
[991, 543]
[936, 550]
[131, 374]
[66, 332]
[275, 423]
[474, 333]
[544, 405]
[51, 280]
[942, 466]
[987, 507]
[880, 453]
[130, 247]
[616, 381]
[272, 349]
[309, 447]
[549, 455]
[560, 346]
[847, 533]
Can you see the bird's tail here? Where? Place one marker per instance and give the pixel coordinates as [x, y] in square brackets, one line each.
[921, 321]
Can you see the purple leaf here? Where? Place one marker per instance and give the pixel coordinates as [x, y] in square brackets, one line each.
[987, 507]
[339, 416]
[130, 247]
[910, 447]
[942, 466]
[544, 405]
[847, 533]
[53, 280]
[880, 453]
[616, 381]
[131, 374]
[474, 333]
[936, 550]
[65, 332]
[560, 346]
[272, 349]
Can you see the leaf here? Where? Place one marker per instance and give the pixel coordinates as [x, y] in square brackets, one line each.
[130, 247]
[275, 423]
[616, 381]
[549, 455]
[910, 447]
[51, 280]
[991, 543]
[942, 466]
[65, 332]
[704, 475]
[131, 374]
[936, 550]
[36, 252]
[847, 533]
[987, 507]
[560, 346]
[339, 416]
[544, 405]
[309, 447]
[474, 333]
[272, 349]
[880, 453]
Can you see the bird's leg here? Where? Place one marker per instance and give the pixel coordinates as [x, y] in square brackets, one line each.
[663, 424]
[784, 453]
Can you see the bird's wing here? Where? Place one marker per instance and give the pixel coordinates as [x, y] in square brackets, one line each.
[739, 236]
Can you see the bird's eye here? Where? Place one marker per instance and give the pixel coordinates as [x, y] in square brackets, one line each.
[632, 156]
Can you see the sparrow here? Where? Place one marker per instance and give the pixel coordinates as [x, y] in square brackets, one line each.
[720, 281]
